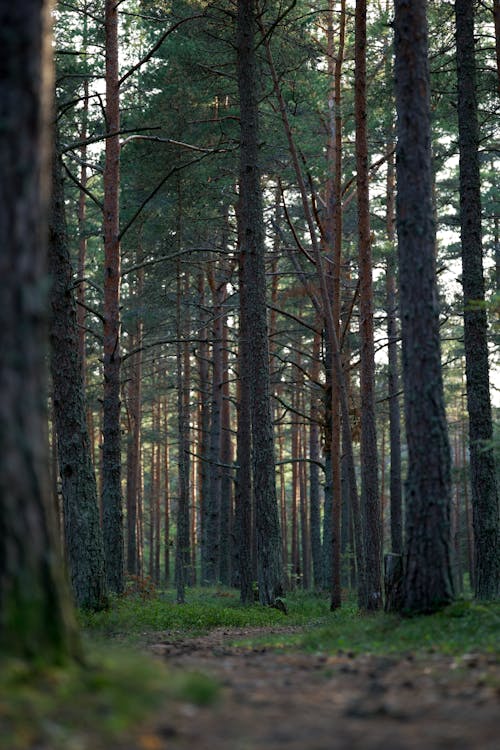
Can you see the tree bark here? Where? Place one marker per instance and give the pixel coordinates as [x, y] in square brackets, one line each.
[485, 504]
[371, 597]
[36, 616]
[82, 530]
[111, 454]
[428, 581]
[252, 248]
[396, 491]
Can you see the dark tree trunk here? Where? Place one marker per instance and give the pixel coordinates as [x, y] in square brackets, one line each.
[243, 498]
[252, 248]
[203, 431]
[482, 462]
[213, 510]
[36, 617]
[428, 582]
[111, 449]
[314, 483]
[183, 554]
[82, 530]
[496, 18]
[393, 368]
[371, 597]
[226, 456]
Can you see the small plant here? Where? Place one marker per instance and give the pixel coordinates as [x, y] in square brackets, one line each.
[141, 586]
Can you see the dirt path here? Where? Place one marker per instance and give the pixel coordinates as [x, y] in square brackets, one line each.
[275, 701]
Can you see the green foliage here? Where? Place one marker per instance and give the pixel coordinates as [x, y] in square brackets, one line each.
[463, 627]
[205, 609]
[90, 707]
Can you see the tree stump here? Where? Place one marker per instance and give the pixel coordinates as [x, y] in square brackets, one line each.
[393, 582]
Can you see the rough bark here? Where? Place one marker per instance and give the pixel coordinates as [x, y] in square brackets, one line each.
[243, 498]
[111, 449]
[396, 491]
[485, 504]
[371, 596]
[226, 458]
[36, 616]
[428, 581]
[252, 248]
[82, 530]
[213, 513]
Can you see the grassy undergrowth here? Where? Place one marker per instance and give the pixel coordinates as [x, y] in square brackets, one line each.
[133, 618]
[91, 707]
[463, 627]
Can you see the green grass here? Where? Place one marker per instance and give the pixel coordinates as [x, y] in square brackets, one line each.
[90, 707]
[133, 618]
[463, 627]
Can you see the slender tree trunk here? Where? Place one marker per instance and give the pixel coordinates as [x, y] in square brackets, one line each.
[253, 308]
[203, 431]
[82, 530]
[496, 19]
[428, 581]
[166, 495]
[36, 616]
[372, 595]
[314, 485]
[244, 495]
[213, 516]
[82, 234]
[393, 367]
[134, 436]
[111, 464]
[226, 457]
[485, 504]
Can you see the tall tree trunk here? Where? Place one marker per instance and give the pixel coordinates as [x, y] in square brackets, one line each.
[36, 616]
[371, 597]
[496, 19]
[183, 554]
[82, 530]
[428, 581]
[111, 455]
[393, 367]
[226, 457]
[244, 495]
[485, 505]
[166, 496]
[253, 308]
[314, 485]
[213, 510]
[134, 435]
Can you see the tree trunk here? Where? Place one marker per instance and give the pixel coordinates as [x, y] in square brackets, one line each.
[226, 457]
[243, 499]
[82, 530]
[111, 450]
[371, 597]
[393, 367]
[428, 582]
[253, 308]
[36, 617]
[485, 505]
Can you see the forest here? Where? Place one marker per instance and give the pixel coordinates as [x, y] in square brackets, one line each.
[250, 374]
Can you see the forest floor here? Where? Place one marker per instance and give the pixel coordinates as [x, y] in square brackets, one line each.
[274, 700]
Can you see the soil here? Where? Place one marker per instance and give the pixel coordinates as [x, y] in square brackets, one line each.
[272, 701]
